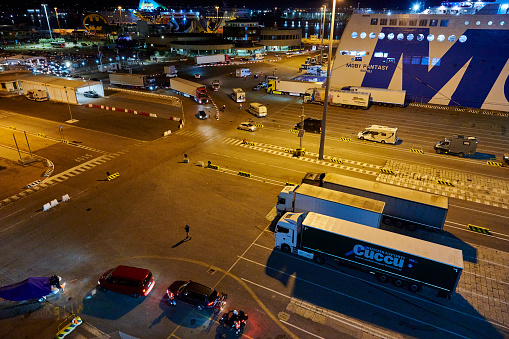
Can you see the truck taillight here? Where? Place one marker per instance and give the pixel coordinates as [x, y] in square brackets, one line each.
[211, 303]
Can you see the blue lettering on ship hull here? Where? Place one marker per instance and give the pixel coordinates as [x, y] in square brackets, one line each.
[487, 49]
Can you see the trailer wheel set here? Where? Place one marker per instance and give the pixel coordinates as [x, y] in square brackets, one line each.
[400, 224]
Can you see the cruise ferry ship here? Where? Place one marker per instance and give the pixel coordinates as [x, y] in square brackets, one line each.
[455, 55]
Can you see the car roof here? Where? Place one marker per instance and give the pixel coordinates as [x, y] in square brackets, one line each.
[131, 272]
[199, 288]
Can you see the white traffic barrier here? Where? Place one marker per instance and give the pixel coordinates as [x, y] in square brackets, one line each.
[65, 198]
[54, 202]
[166, 133]
[46, 207]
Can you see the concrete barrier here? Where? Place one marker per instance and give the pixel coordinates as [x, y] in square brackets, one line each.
[65, 198]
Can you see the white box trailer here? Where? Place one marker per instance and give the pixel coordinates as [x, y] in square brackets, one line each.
[337, 97]
[309, 198]
[190, 89]
[403, 260]
[290, 87]
[210, 59]
[404, 207]
[133, 80]
[238, 95]
[382, 96]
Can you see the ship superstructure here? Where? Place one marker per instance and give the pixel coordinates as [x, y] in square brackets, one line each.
[453, 58]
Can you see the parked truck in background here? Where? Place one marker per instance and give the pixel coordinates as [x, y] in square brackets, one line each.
[308, 198]
[458, 144]
[212, 59]
[337, 97]
[197, 92]
[404, 261]
[381, 96]
[133, 80]
[170, 71]
[290, 87]
[404, 207]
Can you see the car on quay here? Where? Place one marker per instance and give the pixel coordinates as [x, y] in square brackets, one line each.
[247, 126]
[91, 94]
[127, 280]
[201, 115]
[196, 294]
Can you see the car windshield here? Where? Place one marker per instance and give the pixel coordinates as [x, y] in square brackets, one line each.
[147, 279]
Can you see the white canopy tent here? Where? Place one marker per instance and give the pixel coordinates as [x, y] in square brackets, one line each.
[62, 89]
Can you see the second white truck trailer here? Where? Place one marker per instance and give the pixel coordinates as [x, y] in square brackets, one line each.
[309, 198]
[337, 97]
[404, 207]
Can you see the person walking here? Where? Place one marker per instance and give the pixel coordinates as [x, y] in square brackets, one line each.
[209, 114]
[240, 106]
[224, 108]
[171, 298]
[187, 231]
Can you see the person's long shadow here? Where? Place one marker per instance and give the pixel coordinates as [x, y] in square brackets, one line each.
[181, 242]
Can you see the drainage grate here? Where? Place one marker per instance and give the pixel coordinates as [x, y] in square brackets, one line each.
[211, 271]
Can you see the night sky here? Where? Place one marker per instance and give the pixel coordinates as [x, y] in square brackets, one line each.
[260, 4]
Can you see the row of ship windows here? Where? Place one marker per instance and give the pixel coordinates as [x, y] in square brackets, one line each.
[422, 22]
[409, 37]
[407, 59]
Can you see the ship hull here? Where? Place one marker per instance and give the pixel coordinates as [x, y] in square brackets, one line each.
[462, 61]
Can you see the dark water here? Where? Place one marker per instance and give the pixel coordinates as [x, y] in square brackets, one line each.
[313, 28]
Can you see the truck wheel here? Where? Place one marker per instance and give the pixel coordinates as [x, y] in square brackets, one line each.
[461, 154]
[398, 224]
[383, 141]
[439, 151]
[411, 227]
[319, 260]
[414, 287]
[386, 221]
[285, 248]
[361, 138]
[382, 278]
[398, 282]
[391, 105]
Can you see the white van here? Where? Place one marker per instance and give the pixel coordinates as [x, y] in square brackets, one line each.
[238, 95]
[242, 72]
[37, 95]
[258, 109]
[379, 133]
[259, 56]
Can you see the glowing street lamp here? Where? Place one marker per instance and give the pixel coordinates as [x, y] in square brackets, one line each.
[119, 14]
[58, 21]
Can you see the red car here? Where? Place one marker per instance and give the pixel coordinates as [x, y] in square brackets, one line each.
[128, 280]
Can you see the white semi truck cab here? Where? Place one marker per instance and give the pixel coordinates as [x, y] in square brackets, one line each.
[287, 230]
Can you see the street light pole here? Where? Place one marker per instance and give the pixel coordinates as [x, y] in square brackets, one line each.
[327, 86]
[69, 105]
[217, 18]
[58, 21]
[47, 19]
[322, 21]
